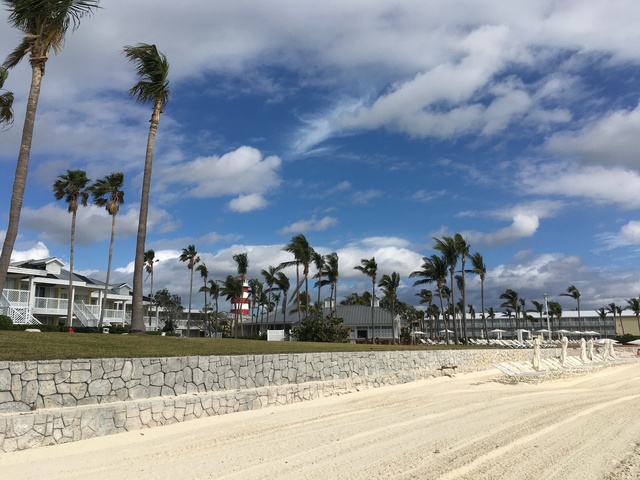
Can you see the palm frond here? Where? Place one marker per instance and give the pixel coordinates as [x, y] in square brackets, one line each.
[152, 67]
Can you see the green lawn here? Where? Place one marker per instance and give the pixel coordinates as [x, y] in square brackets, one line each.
[17, 345]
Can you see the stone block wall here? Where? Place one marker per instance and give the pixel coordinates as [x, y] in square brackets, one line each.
[48, 402]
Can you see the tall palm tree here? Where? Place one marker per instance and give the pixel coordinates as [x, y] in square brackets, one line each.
[616, 310]
[448, 247]
[463, 251]
[332, 278]
[242, 267]
[389, 285]
[303, 254]
[426, 296]
[149, 263]
[320, 263]
[555, 312]
[634, 306]
[369, 267]
[602, 315]
[107, 192]
[6, 100]
[152, 68]
[539, 308]
[190, 256]
[269, 275]
[44, 25]
[232, 288]
[479, 268]
[255, 293]
[72, 186]
[511, 301]
[433, 270]
[213, 289]
[283, 284]
[204, 274]
[574, 293]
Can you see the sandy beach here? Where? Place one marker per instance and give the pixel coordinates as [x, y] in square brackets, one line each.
[466, 427]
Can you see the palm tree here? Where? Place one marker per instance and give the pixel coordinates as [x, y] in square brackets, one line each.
[491, 315]
[510, 298]
[232, 289]
[389, 285]
[332, 278]
[574, 293]
[107, 192]
[269, 275]
[153, 68]
[480, 269]
[283, 284]
[242, 266]
[426, 296]
[614, 309]
[555, 311]
[302, 251]
[44, 25]
[539, 308]
[320, 263]
[214, 292]
[255, 293]
[6, 100]
[634, 306]
[204, 274]
[433, 270]
[448, 247]
[72, 186]
[463, 252]
[370, 268]
[190, 256]
[149, 261]
[602, 315]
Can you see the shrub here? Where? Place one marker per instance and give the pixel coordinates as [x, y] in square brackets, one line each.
[316, 328]
[6, 323]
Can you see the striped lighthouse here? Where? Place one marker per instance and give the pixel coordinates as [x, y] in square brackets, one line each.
[241, 305]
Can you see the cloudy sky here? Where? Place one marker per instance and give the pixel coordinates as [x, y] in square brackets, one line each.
[369, 126]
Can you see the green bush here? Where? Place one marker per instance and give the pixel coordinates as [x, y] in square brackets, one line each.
[316, 328]
[6, 323]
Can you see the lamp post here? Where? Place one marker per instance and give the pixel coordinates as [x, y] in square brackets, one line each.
[546, 308]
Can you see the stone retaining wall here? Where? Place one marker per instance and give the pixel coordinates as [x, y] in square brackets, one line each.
[49, 402]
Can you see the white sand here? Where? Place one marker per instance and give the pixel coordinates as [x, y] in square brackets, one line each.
[466, 427]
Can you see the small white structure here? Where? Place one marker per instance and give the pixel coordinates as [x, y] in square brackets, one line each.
[275, 335]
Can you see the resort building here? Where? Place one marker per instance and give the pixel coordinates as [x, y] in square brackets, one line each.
[37, 292]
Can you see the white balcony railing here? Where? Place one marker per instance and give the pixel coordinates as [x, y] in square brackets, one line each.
[17, 298]
[51, 306]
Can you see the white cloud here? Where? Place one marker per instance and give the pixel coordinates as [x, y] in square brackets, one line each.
[39, 250]
[243, 171]
[248, 203]
[52, 222]
[611, 140]
[311, 225]
[599, 184]
[523, 226]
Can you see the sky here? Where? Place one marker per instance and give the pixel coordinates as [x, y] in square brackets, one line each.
[371, 127]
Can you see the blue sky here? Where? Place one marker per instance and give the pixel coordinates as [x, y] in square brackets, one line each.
[370, 127]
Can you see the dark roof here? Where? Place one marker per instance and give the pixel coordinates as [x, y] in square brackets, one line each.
[353, 315]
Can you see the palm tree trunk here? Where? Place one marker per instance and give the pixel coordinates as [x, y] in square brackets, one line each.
[22, 166]
[151, 295]
[106, 285]
[70, 301]
[137, 313]
[484, 317]
[189, 312]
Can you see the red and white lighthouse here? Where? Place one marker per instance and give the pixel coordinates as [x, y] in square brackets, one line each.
[241, 305]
